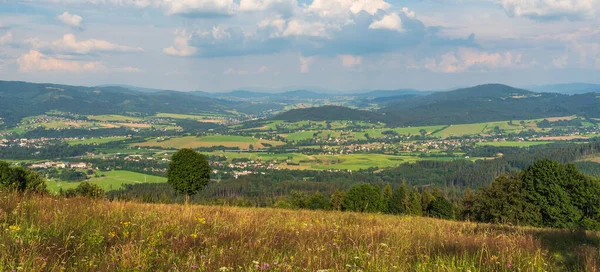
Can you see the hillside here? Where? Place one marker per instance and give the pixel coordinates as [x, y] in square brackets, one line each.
[80, 234]
[21, 99]
[492, 102]
[328, 113]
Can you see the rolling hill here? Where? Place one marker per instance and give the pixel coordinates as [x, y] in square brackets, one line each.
[491, 102]
[21, 99]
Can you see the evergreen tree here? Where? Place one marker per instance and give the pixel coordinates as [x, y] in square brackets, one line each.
[387, 198]
[399, 203]
[414, 206]
[337, 199]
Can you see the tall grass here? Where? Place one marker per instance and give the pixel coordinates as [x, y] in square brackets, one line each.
[78, 234]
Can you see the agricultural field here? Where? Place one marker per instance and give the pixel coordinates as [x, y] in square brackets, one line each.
[124, 236]
[514, 143]
[114, 118]
[209, 118]
[241, 142]
[112, 180]
[96, 140]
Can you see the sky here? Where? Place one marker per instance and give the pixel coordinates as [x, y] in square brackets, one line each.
[335, 45]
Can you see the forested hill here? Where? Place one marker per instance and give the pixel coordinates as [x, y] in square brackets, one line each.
[491, 102]
[329, 113]
[21, 99]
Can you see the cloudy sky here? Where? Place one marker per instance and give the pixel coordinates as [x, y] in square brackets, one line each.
[219, 45]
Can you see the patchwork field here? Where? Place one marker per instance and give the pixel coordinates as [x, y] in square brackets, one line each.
[96, 140]
[113, 180]
[114, 118]
[209, 141]
[515, 144]
[209, 118]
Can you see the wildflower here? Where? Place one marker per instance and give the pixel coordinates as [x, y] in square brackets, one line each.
[223, 269]
[112, 234]
[508, 266]
[126, 224]
[264, 266]
[194, 236]
[14, 228]
[201, 220]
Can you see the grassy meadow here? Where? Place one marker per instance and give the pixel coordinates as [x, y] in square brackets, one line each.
[79, 234]
[112, 180]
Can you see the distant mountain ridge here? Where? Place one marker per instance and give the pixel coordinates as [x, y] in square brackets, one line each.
[483, 103]
[21, 99]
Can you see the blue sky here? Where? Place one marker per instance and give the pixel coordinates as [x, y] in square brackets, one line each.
[219, 45]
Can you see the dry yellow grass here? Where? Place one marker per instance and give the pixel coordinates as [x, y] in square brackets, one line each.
[48, 234]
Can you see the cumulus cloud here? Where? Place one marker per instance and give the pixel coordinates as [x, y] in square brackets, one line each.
[303, 28]
[350, 61]
[72, 20]
[390, 21]
[36, 61]
[471, 59]
[305, 63]
[70, 45]
[549, 9]
[285, 7]
[181, 46]
[6, 38]
[340, 8]
[134, 3]
[199, 8]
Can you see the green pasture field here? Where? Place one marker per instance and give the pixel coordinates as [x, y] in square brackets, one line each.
[114, 118]
[113, 180]
[96, 140]
[359, 161]
[514, 143]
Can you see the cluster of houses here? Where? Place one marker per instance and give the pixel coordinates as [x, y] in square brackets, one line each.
[60, 165]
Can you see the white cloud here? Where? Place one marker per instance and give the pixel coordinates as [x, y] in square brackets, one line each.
[390, 21]
[549, 9]
[303, 28]
[72, 20]
[305, 63]
[199, 8]
[471, 59]
[341, 8]
[283, 6]
[134, 3]
[350, 61]
[409, 13]
[181, 46]
[6, 38]
[70, 45]
[36, 61]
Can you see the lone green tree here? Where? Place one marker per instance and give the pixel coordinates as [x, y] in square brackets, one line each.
[188, 172]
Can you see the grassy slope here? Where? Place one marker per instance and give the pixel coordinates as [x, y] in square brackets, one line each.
[86, 235]
[113, 180]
